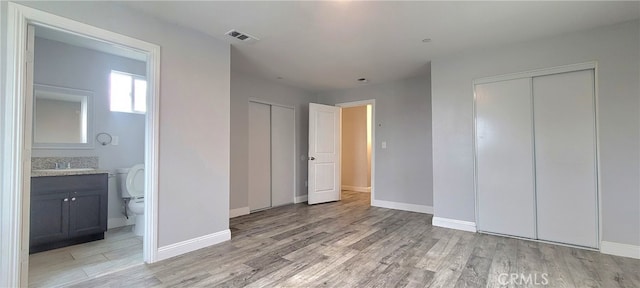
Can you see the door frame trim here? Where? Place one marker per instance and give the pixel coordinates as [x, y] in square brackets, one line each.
[538, 72]
[371, 102]
[16, 168]
[591, 65]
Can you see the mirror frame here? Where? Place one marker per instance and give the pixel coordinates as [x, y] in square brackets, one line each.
[88, 109]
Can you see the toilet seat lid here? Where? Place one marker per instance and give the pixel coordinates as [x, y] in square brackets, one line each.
[135, 181]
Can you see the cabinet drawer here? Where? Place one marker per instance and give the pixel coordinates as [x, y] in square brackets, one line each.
[52, 184]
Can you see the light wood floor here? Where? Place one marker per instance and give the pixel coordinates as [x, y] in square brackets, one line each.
[119, 249]
[349, 244]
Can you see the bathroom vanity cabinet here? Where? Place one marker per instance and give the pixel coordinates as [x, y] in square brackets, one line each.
[67, 210]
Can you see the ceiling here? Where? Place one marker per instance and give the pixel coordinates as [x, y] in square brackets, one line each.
[326, 45]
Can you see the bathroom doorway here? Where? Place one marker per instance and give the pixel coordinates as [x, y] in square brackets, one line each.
[111, 131]
[116, 52]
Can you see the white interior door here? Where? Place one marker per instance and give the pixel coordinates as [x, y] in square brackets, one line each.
[282, 155]
[565, 142]
[324, 153]
[259, 156]
[505, 169]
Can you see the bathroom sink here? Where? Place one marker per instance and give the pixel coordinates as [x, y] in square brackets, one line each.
[63, 170]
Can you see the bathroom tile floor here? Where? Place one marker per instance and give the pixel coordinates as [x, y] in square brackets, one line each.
[119, 250]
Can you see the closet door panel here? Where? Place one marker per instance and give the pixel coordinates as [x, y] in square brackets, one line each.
[504, 139]
[259, 156]
[565, 140]
[282, 155]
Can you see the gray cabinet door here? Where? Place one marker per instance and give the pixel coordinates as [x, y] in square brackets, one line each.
[49, 218]
[87, 213]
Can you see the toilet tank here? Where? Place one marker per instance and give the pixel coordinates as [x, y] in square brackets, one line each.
[122, 182]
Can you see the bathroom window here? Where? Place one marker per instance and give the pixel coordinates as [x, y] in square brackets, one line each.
[128, 92]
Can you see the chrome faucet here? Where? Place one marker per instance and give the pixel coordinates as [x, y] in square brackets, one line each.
[63, 165]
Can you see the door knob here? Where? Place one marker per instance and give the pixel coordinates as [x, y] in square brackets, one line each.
[312, 158]
[73, 199]
[65, 199]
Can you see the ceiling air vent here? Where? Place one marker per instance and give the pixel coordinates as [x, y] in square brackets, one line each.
[244, 37]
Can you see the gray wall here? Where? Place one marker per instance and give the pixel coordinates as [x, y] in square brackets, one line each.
[402, 119]
[60, 64]
[194, 116]
[616, 50]
[244, 87]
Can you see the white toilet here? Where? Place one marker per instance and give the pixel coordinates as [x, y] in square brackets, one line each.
[132, 188]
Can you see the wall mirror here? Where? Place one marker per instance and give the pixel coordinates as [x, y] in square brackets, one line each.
[62, 118]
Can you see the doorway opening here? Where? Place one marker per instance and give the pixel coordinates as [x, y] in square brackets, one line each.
[17, 172]
[357, 148]
[82, 90]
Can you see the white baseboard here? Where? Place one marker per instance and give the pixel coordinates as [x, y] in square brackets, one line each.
[356, 188]
[120, 221]
[180, 248]
[620, 249]
[300, 199]
[403, 206]
[238, 212]
[454, 224]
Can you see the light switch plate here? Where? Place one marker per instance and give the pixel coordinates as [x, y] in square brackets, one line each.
[384, 144]
[115, 141]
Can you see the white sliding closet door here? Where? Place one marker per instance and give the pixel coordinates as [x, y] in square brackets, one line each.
[565, 141]
[282, 155]
[259, 156]
[504, 139]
